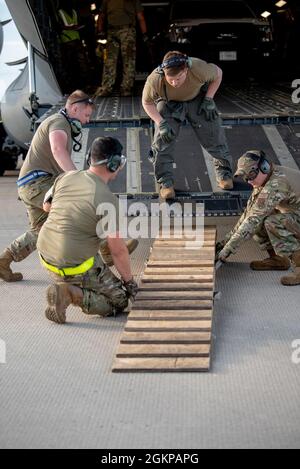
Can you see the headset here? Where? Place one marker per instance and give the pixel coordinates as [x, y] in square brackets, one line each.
[113, 162]
[76, 129]
[173, 62]
[263, 164]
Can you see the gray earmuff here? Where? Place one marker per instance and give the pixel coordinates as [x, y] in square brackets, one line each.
[112, 162]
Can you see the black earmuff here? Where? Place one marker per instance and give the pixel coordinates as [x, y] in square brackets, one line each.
[112, 162]
[263, 164]
[174, 62]
[76, 129]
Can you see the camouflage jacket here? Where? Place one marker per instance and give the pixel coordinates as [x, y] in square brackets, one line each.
[276, 196]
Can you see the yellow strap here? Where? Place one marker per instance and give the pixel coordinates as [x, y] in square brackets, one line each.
[69, 271]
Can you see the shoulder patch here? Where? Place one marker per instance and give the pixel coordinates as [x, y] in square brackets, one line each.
[262, 200]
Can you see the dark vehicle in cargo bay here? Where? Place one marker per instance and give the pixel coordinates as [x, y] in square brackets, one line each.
[224, 32]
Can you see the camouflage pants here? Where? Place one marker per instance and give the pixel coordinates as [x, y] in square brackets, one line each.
[33, 197]
[210, 134]
[277, 233]
[125, 39]
[103, 294]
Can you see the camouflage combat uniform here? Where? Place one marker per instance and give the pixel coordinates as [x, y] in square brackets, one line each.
[272, 212]
[71, 236]
[121, 35]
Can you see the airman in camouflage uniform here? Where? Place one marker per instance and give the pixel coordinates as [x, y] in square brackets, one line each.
[70, 239]
[120, 16]
[272, 216]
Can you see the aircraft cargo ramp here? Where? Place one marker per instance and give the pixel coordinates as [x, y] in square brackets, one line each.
[254, 117]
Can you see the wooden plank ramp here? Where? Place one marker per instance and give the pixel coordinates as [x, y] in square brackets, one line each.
[169, 327]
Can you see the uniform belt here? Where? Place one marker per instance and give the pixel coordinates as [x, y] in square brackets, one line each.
[30, 177]
[69, 271]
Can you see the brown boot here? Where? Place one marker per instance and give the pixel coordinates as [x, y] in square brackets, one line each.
[132, 244]
[167, 192]
[293, 279]
[6, 273]
[273, 262]
[225, 184]
[59, 297]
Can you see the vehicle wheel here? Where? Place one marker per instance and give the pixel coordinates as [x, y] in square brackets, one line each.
[2, 170]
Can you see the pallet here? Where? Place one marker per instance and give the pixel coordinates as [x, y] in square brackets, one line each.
[169, 327]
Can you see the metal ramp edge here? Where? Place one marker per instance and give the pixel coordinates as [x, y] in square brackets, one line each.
[169, 327]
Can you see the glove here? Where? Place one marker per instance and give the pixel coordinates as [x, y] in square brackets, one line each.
[219, 246]
[209, 108]
[131, 288]
[224, 254]
[166, 132]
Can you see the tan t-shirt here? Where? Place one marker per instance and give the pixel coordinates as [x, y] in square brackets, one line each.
[73, 230]
[39, 156]
[200, 73]
[121, 12]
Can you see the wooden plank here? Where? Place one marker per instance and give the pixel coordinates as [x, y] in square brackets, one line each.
[167, 244]
[161, 364]
[178, 263]
[163, 350]
[183, 256]
[183, 271]
[168, 326]
[184, 250]
[173, 304]
[170, 315]
[185, 231]
[177, 278]
[176, 286]
[166, 337]
[178, 295]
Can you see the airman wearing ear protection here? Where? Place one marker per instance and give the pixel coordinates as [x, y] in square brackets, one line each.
[272, 216]
[69, 245]
[183, 88]
[49, 155]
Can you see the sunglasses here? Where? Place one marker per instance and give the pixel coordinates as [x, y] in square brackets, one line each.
[84, 100]
[251, 176]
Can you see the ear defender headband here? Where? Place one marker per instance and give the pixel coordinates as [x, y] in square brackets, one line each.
[173, 62]
[263, 164]
[112, 162]
[76, 129]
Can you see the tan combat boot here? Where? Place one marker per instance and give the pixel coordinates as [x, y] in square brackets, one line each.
[225, 184]
[273, 262]
[132, 244]
[293, 279]
[6, 273]
[59, 297]
[167, 192]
